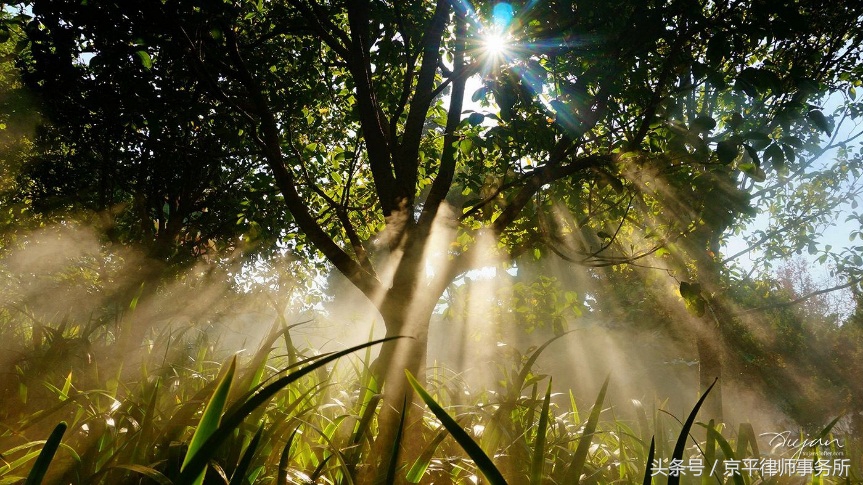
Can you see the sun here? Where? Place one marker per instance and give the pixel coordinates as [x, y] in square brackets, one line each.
[495, 44]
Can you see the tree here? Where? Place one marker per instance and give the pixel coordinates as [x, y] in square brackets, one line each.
[596, 125]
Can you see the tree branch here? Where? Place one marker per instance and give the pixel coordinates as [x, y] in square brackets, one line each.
[407, 160]
[801, 299]
[446, 172]
[271, 145]
[371, 117]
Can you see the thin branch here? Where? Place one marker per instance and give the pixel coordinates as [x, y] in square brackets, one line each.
[334, 37]
[446, 171]
[801, 299]
[271, 145]
[407, 160]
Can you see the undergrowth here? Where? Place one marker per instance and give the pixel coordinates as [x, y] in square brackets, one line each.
[185, 412]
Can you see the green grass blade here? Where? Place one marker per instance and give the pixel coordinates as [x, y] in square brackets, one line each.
[680, 446]
[67, 386]
[519, 383]
[282, 477]
[233, 419]
[576, 466]
[648, 469]
[320, 469]
[576, 420]
[826, 431]
[726, 449]
[422, 463]
[483, 462]
[209, 423]
[37, 473]
[152, 474]
[709, 451]
[539, 446]
[394, 453]
[246, 460]
[746, 437]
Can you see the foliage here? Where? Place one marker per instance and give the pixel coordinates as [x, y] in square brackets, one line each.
[696, 99]
[139, 430]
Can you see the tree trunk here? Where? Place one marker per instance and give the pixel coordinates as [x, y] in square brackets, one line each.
[709, 369]
[406, 309]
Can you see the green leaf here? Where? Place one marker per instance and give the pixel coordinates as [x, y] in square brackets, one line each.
[392, 468]
[246, 460]
[819, 120]
[691, 293]
[713, 435]
[747, 82]
[704, 124]
[756, 135]
[539, 446]
[648, 470]
[145, 59]
[573, 472]
[789, 153]
[210, 421]
[752, 155]
[727, 151]
[151, 473]
[234, 419]
[775, 157]
[736, 121]
[519, 382]
[792, 140]
[680, 446]
[479, 94]
[718, 48]
[475, 118]
[422, 463]
[37, 473]
[483, 462]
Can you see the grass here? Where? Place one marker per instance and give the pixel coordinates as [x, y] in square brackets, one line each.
[188, 413]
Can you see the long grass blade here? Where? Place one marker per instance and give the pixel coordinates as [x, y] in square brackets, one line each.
[483, 462]
[519, 383]
[422, 463]
[320, 469]
[37, 473]
[282, 477]
[680, 446]
[209, 422]
[246, 460]
[576, 466]
[233, 419]
[726, 449]
[648, 469]
[709, 452]
[152, 474]
[394, 453]
[539, 446]
[746, 437]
